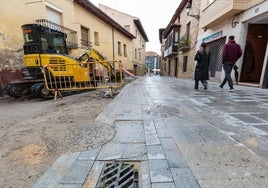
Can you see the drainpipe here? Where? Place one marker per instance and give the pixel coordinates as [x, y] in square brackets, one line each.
[113, 42]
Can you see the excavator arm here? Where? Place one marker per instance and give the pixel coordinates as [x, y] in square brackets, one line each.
[92, 55]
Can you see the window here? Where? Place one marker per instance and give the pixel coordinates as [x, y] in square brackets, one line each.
[188, 26]
[96, 38]
[54, 14]
[185, 60]
[125, 50]
[176, 37]
[119, 50]
[84, 36]
[135, 53]
[139, 56]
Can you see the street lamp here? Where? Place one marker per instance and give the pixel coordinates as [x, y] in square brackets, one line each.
[188, 9]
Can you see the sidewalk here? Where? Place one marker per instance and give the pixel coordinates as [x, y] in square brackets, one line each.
[177, 137]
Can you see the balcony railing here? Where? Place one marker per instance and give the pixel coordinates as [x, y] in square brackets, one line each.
[171, 41]
[184, 43]
[170, 51]
[71, 40]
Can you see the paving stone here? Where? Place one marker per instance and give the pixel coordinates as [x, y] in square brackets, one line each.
[89, 154]
[175, 159]
[163, 185]
[168, 143]
[159, 171]
[152, 139]
[262, 127]
[145, 174]
[52, 177]
[184, 178]
[149, 127]
[247, 118]
[124, 151]
[159, 124]
[77, 173]
[129, 131]
[163, 132]
[155, 152]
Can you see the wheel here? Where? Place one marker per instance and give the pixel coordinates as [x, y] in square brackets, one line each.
[40, 90]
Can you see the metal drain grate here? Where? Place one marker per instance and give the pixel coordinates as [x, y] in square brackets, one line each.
[118, 175]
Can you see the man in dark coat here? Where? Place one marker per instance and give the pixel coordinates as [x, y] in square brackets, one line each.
[230, 54]
[201, 69]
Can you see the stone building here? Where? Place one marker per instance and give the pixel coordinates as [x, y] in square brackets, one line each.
[212, 22]
[179, 42]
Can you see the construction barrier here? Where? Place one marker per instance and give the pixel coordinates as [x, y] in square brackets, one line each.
[83, 76]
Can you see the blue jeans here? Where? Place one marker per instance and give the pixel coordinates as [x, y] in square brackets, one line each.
[228, 66]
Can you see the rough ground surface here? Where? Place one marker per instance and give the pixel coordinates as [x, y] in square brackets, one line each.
[34, 133]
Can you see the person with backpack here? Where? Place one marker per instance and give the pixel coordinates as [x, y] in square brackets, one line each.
[230, 54]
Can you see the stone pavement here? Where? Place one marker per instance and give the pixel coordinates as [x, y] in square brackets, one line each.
[177, 137]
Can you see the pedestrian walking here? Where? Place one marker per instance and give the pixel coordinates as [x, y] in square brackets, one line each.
[230, 54]
[201, 69]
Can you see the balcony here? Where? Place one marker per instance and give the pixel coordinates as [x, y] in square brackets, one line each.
[222, 10]
[71, 40]
[171, 51]
[171, 41]
[184, 43]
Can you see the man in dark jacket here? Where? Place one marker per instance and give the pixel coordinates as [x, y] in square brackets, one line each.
[230, 54]
[201, 69]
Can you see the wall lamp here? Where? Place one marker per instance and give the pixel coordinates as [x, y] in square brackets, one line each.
[188, 9]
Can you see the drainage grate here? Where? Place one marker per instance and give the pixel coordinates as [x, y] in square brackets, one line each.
[118, 175]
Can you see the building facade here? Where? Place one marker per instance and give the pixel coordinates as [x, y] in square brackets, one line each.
[134, 26]
[152, 62]
[248, 22]
[212, 21]
[179, 42]
[85, 24]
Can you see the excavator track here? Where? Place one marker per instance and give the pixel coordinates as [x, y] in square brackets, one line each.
[18, 89]
[25, 89]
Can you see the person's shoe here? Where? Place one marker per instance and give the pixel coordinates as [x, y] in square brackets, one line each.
[231, 89]
[221, 86]
[205, 87]
[195, 88]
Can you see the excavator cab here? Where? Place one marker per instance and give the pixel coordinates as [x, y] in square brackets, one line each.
[43, 40]
[40, 42]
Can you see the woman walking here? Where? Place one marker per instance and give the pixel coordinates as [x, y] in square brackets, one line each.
[201, 69]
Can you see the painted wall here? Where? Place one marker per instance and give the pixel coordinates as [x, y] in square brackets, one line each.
[73, 17]
[27, 11]
[125, 19]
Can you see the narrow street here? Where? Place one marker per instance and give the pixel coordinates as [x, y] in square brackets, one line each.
[179, 137]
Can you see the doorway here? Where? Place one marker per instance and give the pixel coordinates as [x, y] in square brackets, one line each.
[176, 67]
[254, 53]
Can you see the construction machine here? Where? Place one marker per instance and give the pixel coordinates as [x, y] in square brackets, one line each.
[44, 46]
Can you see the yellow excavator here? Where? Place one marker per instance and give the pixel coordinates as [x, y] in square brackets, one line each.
[46, 46]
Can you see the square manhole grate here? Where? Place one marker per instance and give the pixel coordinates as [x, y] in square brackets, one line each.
[118, 175]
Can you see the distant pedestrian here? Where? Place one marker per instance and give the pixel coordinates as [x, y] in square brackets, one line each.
[201, 69]
[230, 54]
